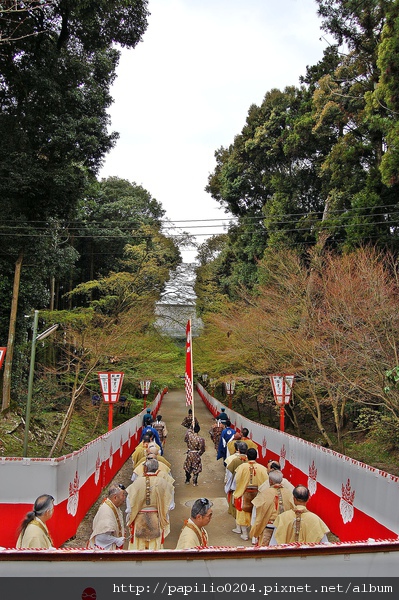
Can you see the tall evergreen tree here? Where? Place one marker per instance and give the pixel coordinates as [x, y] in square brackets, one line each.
[108, 218]
[383, 100]
[360, 206]
[54, 94]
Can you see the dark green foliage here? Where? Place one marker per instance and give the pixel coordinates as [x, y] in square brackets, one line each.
[269, 179]
[54, 96]
[383, 101]
[57, 63]
[318, 165]
[56, 67]
[108, 218]
[386, 433]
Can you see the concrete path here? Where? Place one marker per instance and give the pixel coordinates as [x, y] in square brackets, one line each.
[210, 481]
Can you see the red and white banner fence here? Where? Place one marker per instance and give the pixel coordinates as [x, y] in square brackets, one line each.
[356, 501]
[75, 481]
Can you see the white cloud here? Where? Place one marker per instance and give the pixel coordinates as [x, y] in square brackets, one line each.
[186, 89]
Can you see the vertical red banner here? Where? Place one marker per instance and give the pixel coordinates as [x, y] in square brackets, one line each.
[188, 380]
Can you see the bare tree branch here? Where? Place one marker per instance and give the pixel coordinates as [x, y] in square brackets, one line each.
[14, 15]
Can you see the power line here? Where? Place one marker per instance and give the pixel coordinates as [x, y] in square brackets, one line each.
[42, 229]
[167, 223]
[44, 232]
[310, 228]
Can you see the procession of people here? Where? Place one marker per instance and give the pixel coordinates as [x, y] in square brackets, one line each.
[261, 505]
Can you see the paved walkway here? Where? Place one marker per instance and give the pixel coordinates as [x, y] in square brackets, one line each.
[210, 481]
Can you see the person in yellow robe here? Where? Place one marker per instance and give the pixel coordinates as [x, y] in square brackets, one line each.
[248, 476]
[269, 503]
[108, 524]
[232, 463]
[163, 470]
[140, 451]
[273, 465]
[194, 534]
[242, 437]
[33, 531]
[152, 451]
[299, 524]
[149, 498]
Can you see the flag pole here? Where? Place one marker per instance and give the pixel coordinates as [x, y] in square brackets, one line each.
[189, 380]
[192, 375]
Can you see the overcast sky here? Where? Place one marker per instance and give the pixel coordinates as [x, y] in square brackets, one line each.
[185, 91]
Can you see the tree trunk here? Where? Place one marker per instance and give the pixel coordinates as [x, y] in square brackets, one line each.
[339, 412]
[290, 412]
[316, 414]
[69, 306]
[52, 292]
[60, 439]
[78, 388]
[259, 412]
[102, 404]
[11, 336]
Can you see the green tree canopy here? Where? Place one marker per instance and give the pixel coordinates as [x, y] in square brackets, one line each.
[55, 76]
[317, 165]
[107, 219]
